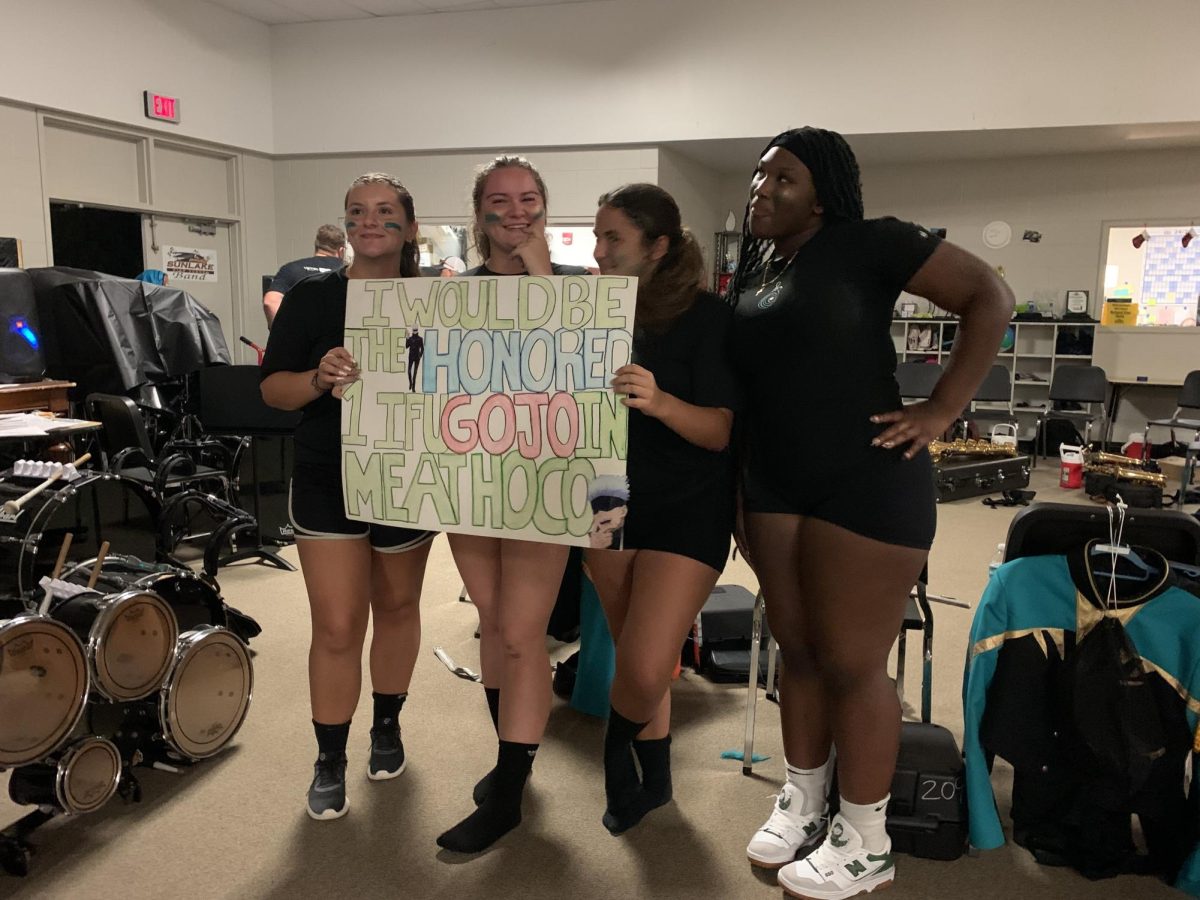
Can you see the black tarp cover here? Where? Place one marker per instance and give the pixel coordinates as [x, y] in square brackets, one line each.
[112, 334]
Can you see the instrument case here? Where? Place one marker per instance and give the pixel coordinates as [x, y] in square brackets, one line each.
[927, 815]
[957, 479]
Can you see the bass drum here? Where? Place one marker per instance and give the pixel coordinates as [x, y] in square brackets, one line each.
[95, 508]
[81, 779]
[43, 687]
[207, 694]
[130, 638]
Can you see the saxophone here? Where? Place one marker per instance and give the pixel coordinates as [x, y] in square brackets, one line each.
[1122, 468]
[970, 449]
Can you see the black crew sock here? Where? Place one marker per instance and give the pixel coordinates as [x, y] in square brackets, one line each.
[500, 811]
[387, 709]
[331, 739]
[485, 783]
[621, 782]
[654, 756]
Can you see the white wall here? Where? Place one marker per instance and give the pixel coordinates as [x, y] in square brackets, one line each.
[22, 209]
[658, 70]
[309, 192]
[696, 188]
[95, 59]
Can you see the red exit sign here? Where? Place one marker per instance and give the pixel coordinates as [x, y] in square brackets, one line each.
[160, 106]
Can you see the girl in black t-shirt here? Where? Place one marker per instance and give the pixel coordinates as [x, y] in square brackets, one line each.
[352, 570]
[681, 396]
[837, 492]
[513, 583]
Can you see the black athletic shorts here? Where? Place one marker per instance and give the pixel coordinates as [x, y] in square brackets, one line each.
[883, 497]
[316, 512]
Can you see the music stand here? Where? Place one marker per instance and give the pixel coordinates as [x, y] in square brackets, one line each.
[231, 404]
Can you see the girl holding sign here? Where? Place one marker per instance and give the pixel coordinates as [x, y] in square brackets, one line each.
[681, 395]
[352, 570]
[513, 583]
[837, 492]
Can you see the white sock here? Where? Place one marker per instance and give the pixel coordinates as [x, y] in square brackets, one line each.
[870, 821]
[813, 784]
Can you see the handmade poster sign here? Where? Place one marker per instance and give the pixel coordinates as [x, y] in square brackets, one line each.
[484, 405]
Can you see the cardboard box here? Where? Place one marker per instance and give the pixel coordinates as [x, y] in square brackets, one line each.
[1172, 467]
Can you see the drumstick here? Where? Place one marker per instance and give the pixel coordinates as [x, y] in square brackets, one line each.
[95, 576]
[13, 507]
[62, 556]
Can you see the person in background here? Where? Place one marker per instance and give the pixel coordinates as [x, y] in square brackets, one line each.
[329, 251]
[513, 583]
[452, 267]
[837, 489]
[674, 537]
[352, 570]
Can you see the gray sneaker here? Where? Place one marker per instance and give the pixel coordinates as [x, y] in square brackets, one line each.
[387, 752]
[327, 793]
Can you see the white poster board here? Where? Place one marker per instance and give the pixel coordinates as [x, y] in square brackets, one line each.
[512, 429]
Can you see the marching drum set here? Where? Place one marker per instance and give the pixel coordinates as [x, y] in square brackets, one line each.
[106, 664]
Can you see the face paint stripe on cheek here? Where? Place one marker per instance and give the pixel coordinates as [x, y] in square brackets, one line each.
[351, 225]
[491, 218]
[393, 226]
[537, 215]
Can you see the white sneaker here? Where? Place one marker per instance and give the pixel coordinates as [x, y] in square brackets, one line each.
[841, 867]
[786, 832]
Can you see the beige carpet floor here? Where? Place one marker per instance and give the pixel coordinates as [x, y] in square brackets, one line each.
[234, 826]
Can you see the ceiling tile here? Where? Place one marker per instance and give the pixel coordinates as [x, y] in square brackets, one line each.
[269, 12]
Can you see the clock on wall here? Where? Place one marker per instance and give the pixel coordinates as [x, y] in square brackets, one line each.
[997, 234]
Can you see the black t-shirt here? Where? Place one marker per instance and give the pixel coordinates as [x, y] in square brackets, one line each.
[310, 323]
[816, 357]
[293, 273]
[690, 360]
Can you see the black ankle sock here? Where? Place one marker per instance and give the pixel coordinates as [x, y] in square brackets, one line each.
[500, 811]
[620, 775]
[331, 739]
[387, 708]
[485, 783]
[654, 756]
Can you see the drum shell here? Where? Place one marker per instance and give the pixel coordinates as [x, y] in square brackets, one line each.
[94, 508]
[137, 622]
[78, 780]
[207, 693]
[38, 647]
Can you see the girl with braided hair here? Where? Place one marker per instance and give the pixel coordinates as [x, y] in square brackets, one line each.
[680, 392]
[839, 529]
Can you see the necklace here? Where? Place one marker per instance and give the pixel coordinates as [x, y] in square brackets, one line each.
[769, 291]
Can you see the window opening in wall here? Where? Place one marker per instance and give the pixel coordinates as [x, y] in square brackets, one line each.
[102, 240]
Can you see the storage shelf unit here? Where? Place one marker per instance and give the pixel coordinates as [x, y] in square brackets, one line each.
[1033, 357]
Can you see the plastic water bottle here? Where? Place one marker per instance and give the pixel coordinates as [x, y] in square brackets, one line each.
[997, 560]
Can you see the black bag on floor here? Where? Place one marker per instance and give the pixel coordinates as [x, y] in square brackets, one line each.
[721, 642]
[927, 815]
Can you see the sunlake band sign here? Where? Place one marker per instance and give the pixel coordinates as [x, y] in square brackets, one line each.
[512, 429]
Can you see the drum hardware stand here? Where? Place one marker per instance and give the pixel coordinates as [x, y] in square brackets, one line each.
[15, 848]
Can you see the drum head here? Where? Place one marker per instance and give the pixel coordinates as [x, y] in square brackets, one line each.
[88, 775]
[192, 597]
[43, 687]
[132, 644]
[207, 694]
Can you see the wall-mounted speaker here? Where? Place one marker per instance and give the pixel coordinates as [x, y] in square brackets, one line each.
[21, 357]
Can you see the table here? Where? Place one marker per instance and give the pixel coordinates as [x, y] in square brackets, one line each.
[46, 394]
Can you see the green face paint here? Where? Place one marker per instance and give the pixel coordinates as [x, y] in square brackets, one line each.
[393, 226]
[350, 226]
[491, 219]
[537, 216]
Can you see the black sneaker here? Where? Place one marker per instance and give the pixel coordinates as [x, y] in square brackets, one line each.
[327, 793]
[387, 752]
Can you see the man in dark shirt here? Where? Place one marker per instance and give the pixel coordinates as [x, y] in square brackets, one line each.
[329, 250]
[416, 349]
